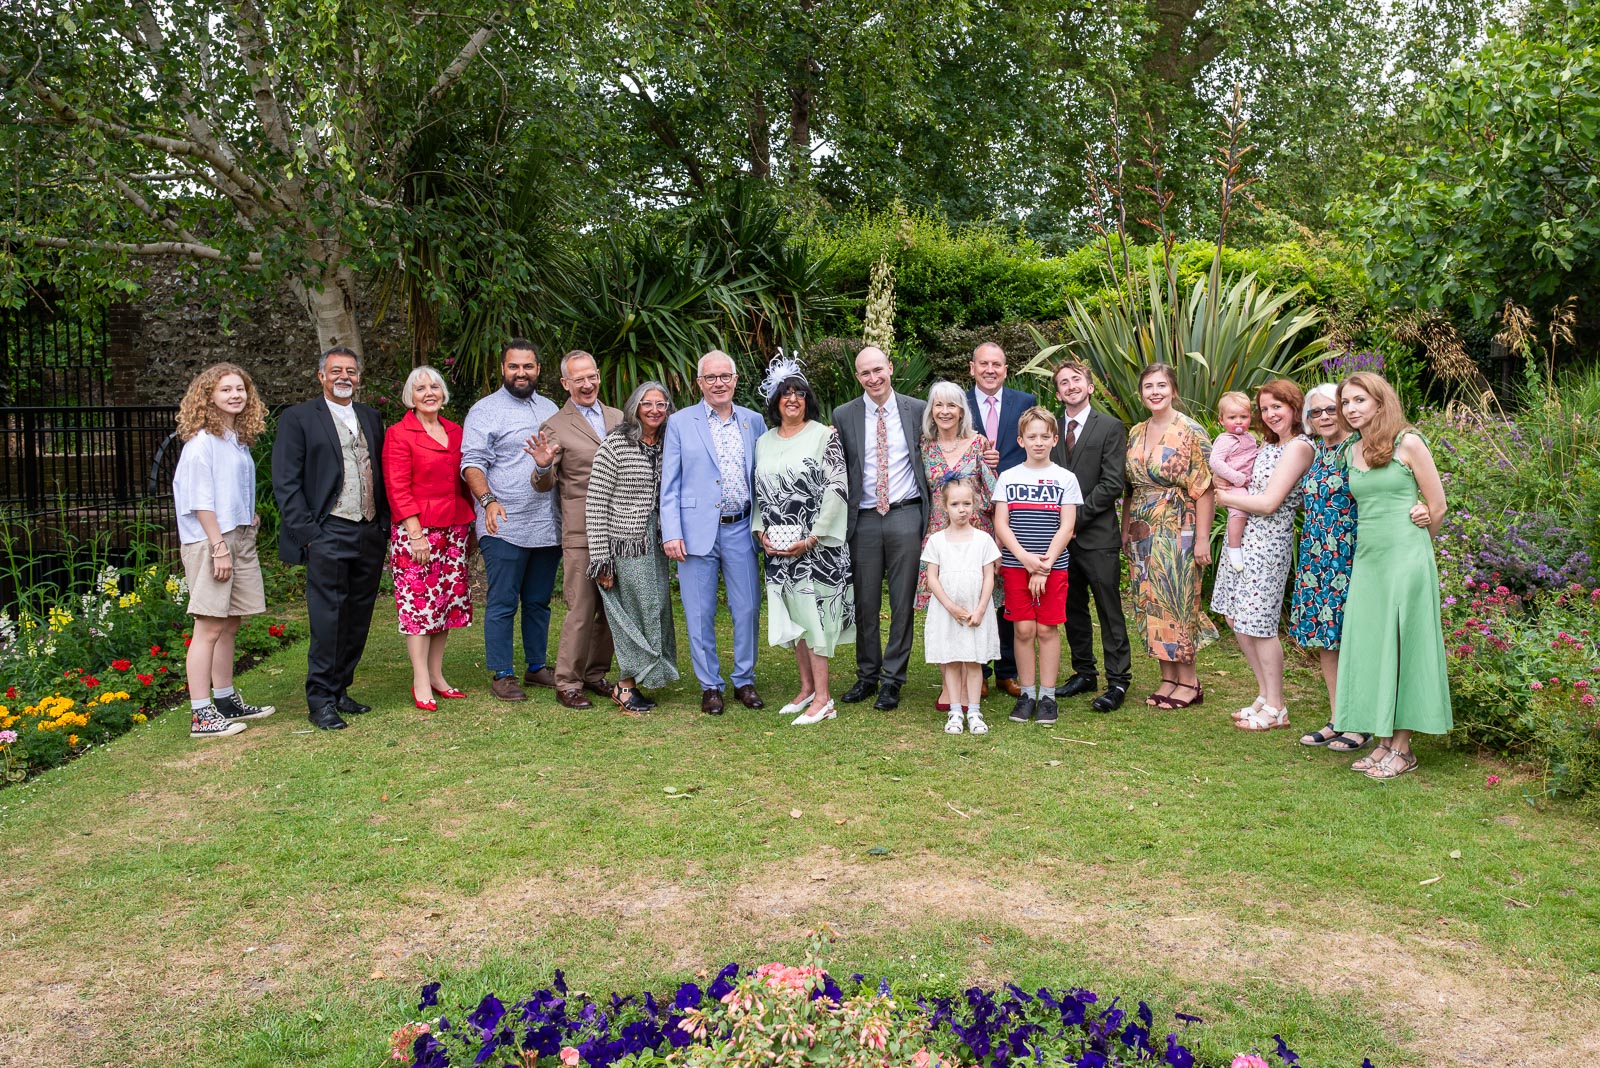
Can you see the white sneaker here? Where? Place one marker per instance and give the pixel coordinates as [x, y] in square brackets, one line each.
[816, 715]
[975, 723]
[798, 706]
[952, 723]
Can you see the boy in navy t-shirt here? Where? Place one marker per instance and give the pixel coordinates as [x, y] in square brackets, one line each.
[1036, 505]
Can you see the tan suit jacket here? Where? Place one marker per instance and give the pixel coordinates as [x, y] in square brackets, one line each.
[584, 655]
[570, 472]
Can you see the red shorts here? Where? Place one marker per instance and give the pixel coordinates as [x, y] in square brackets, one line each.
[1049, 610]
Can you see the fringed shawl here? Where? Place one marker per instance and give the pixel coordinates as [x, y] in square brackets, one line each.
[624, 492]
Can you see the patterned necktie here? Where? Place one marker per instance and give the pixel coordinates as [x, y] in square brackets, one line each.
[883, 462]
[1072, 435]
[991, 422]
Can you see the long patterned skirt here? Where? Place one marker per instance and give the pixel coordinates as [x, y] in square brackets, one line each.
[639, 612]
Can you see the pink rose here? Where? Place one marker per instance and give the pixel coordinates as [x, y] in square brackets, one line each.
[569, 1056]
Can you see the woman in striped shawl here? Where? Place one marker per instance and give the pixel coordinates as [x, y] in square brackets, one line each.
[625, 557]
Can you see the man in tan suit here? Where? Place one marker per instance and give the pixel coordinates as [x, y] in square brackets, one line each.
[563, 453]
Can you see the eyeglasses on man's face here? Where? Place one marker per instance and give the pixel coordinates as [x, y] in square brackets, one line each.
[718, 379]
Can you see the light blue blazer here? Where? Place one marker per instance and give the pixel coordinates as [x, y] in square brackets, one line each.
[691, 481]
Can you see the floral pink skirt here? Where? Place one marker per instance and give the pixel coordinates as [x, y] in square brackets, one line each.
[432, 597]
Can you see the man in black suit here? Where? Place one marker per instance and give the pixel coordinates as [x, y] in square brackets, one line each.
[995, 408]
[1094, 447]
[881, 434]
[327, 474]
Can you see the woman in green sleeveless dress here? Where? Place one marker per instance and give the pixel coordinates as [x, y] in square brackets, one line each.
[1392, 675]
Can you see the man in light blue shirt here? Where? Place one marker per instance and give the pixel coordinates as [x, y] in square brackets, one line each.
[519, 528]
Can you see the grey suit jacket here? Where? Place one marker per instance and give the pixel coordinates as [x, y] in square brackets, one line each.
[850, 420]
[1099, 460]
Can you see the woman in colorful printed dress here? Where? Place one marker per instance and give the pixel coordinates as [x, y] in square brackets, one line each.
[800, 516]
[1169, 498]
[622, 513]
[1252, 599]
[952, 448]
[428, 545]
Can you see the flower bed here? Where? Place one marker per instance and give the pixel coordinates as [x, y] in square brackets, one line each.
[82, 669]
[1521, 592]
[786, 1016]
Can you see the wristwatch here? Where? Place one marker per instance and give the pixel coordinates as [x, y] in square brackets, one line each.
[487, 499]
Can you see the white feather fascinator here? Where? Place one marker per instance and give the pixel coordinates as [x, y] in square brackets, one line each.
[780, 370]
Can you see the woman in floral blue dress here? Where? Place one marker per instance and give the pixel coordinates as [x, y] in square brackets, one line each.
[1327, 545]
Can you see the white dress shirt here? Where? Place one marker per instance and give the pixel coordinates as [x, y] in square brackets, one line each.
[902, 477]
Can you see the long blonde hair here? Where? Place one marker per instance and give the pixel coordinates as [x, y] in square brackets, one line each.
[1379, 436]
[197, 413]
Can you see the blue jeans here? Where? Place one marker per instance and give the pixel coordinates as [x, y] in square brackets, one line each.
[517, 576]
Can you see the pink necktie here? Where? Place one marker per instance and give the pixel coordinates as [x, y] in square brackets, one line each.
[991, 422]
[883, 463]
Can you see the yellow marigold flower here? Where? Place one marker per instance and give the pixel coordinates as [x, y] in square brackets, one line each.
[139, 717]
[72, 739]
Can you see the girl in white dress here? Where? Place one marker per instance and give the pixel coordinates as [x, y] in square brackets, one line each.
[961, 634]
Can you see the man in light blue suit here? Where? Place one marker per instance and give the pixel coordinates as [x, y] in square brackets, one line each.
[707, 493]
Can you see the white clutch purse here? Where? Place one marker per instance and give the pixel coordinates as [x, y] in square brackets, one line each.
[784, 536]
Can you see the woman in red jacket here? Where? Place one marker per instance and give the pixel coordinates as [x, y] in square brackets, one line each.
[428, 547]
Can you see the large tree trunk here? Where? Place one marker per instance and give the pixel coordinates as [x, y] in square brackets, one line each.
[328, 296]
[760, 141]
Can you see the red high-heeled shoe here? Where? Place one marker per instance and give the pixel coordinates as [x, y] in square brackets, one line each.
[426, 706]
[450, 692]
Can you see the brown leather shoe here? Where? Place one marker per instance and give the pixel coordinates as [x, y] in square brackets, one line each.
[507, 689]
[573, 699]
[599, 687]
[543, 677]
[985, 691]
[1012, 687]
[748, 697]
[711, 702]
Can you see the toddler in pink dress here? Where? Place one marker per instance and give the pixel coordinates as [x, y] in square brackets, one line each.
[1233, 458]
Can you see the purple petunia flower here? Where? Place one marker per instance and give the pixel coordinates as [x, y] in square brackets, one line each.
[430, 996]
[1177, 1056]
[688, 997]
[1285, 1054]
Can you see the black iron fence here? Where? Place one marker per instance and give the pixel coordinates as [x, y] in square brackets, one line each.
[55, 357]
[105, 461]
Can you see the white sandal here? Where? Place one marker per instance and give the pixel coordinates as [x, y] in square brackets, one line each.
[816, 715]
[952, 723]
[798, 706]
[975, 723]
[1251, 709]
[1266, 718]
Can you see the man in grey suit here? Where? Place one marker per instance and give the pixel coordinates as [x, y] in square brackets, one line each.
[881, 434]
[1094, 447]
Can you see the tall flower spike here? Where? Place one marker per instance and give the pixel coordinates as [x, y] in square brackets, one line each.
[780, 370]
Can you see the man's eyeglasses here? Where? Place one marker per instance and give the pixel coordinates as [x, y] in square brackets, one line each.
[717, 380]
[1318, 413]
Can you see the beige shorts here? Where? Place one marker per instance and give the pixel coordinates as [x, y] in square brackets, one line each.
[241, 594]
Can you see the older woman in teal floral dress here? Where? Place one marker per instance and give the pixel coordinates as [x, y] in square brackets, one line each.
[1169, 498]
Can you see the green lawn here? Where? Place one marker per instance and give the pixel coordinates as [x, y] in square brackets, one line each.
[277, 898]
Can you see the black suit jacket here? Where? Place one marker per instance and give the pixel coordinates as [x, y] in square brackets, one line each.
[308, 472]
[850, 422]
[1013, 402]
[1099, 461]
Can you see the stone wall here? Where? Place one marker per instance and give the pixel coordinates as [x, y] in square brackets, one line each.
[173, 332]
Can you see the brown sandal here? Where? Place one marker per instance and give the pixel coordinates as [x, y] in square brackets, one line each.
[1168, 702]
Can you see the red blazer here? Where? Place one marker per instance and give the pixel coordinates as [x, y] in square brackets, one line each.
[422, 477]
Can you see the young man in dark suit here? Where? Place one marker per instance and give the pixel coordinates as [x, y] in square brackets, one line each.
[327, 476]
[881, 435]
[995, 409]
[1094, 447]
